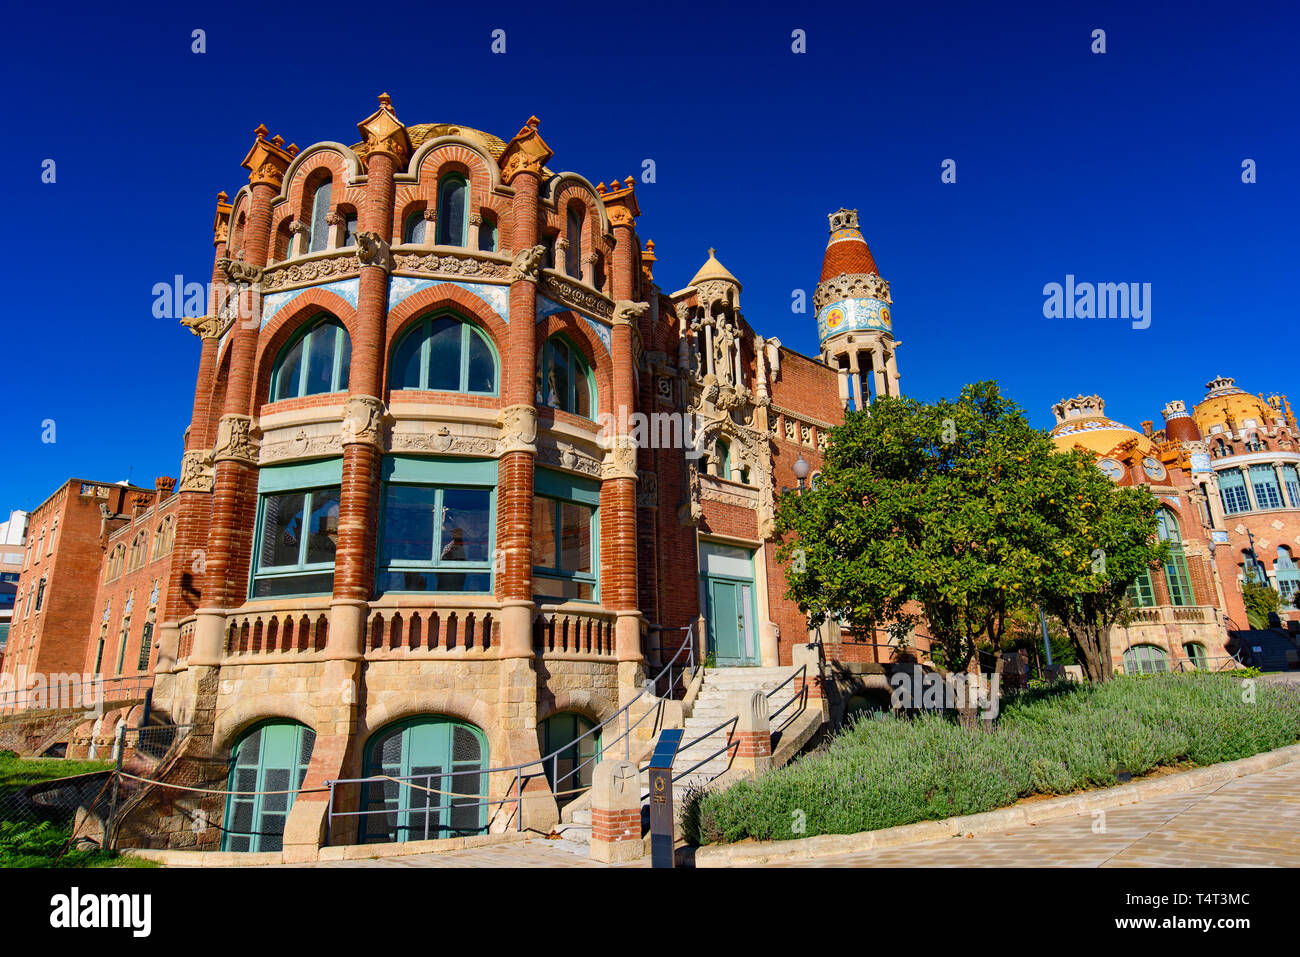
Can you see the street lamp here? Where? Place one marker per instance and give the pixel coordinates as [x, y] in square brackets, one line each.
[801, 470]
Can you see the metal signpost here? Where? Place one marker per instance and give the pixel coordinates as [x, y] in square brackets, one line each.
[662, 818]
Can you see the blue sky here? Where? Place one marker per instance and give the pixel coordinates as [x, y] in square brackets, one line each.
[1122, 167]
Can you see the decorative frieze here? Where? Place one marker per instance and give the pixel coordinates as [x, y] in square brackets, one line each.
[568, 458]
[569, 293]
[450, 265]
[311, 271]
[442, 441]
[856, 286]
[301, 445]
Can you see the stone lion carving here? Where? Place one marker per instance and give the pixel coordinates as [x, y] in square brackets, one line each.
[629, 311]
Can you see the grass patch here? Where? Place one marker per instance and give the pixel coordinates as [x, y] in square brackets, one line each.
[46, 845]
[17, 773]
[885, 771]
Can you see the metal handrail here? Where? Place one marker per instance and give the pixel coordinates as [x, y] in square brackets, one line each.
[517, 799]
[802, 693]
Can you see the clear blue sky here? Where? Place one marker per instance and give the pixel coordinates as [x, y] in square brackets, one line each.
[1122, 167]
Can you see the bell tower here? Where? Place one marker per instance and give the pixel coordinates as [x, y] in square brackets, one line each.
[854, 316]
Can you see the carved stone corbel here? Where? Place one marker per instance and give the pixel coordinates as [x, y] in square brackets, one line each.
[627, 313]
[363, 421]
[234, 440]
[238, 271]
[205, 327]
[374, 251]
[519, 429]
[620, 460]
[196, 472]
[527, 265]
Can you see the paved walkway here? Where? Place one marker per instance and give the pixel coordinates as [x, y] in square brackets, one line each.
[1251, 821]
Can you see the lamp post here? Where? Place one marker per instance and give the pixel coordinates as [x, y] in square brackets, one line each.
[801, 470]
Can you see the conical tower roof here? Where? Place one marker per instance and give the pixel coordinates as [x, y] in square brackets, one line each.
[846, 251]
[712, 269]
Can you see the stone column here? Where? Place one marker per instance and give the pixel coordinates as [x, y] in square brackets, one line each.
[1281, 487]
[616, 813]
[1250, 488]
[855, 377]
[878, 370]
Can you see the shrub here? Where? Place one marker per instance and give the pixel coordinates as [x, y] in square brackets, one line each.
[885, 771]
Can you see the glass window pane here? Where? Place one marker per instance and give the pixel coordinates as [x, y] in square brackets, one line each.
[466, 524]
[317, 583]
[573, 255]
[350, 230]
[562, 588]
[282, 520]
[558, 387]
[321, 344]
[451, 212]
[323, 534]
[320, 209]
[444, 355]
[288, 373]
[581, 390]
[415, 225]
[575, 522]
[482, 368]
[406, 360]
[487, 236]
[543, 532]
[409, 528]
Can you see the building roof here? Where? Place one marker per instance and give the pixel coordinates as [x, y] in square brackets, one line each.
[1082, 421]
[846, 250]
[712, 269]
[1224, 400]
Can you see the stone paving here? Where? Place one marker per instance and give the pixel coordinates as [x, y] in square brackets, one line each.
[1251, 821]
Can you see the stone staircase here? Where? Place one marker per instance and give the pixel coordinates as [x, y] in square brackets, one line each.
[711, 708]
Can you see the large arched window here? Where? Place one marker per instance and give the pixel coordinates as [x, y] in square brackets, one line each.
[453, 199]
[1145, 660]
[1195, 652]
[571, 752]
[320, 210]
[1176, 576]
[564, 380]
[162, 538]
[314, 361]
[272, 756]
[442, 353]
[139, 551]
[437, 754]
[116, 558]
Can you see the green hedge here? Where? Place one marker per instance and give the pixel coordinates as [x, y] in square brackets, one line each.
[886, 771]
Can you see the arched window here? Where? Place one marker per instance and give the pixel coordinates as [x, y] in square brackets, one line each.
[1252, 568]
[1220, 448]
[54, 531]
[1145, 660]
[1287, 575]
[320, 209]
[444, 354]
[453, 199]
[272, 756]
[573, 236]
[40, 593]
[1195, 652]
[431, 751]
[349, 229]
[487, 235]
[724, 460]
[139, 549]
[314, 361]
[1176, 575]
[564, 380]
[413, 230]
[116, 558]
[570, 752]
[162, 537]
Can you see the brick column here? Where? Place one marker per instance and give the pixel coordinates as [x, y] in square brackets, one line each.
[752, 739]
[234, 495]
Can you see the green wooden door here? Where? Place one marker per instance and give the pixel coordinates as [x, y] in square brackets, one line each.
[271, 757]
[570, 757]
[729, 596]
[429, 752]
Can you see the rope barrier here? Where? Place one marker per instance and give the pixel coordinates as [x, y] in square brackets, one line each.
[381, 777]
[182, 787]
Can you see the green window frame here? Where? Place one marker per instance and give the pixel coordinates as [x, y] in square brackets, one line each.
[443, 488]
[436, 753]
[1145, 660]
[1195, 652]
[1232, 491]
[475, 370]
[146, 645]
[121, 643]
[563, 507]
[1141, 594]
[564, 378]
[313, 362]
[570, 752]
[1177, 578]
[276, 539]
[320, 208]
[453, 209]
[270, 756]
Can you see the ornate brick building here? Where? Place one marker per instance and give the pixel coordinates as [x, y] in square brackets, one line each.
[458, 477]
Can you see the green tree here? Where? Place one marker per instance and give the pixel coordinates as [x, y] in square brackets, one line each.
[1260, 600]
[1101, 537]
[923, 510]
